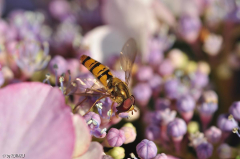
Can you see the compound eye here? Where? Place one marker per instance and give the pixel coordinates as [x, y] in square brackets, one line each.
[129, 102]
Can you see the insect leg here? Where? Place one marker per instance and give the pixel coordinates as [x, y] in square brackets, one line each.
[78, 104]
[95, 90]
[96, 102]
[111, 111]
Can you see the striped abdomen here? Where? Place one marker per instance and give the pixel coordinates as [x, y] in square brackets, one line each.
[101, 72]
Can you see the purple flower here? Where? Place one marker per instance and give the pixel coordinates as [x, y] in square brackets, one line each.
[145, 73]
[29, 25]
[32, 56]
[213, 134]
[152, 132]
[177, 128]
[225, 151]
[161, 156]
[208, 102]
[130, 133]
[199, 80]
[115, 137]
[166, 68]
[146, 149]
[155, 57]
[155, 82]
[142, 93]
[99, 133]
[170, 87]
[93, 120]
[61, 64]
[59, 9]
[189, 27]
[204, 150]
[185, 104]
[225, 124]
[162, 104]
[235, 110]
[174, 88]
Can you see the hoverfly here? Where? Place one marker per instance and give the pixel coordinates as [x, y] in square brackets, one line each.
[106, 85]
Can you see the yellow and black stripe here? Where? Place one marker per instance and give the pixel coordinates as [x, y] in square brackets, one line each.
[97, 69]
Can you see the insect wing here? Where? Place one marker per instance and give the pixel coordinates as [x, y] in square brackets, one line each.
[127, 58]
[88, 86]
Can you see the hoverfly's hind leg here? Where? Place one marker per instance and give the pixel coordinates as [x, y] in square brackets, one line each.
[95, 103]
[78, 104]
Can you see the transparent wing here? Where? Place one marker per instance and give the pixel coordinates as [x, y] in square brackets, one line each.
[88, 86]
[127, 57]
[88, 90]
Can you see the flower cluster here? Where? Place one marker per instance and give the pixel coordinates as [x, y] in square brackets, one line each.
[183, 80]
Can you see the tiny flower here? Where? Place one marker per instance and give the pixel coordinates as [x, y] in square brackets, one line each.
[115, 137]
[31, 56]
[203, 67]
[204, 150]
[235, 110]
[186, 105]
[225, 124]
[166, 68]
[189, 27]
[199, 80]
[61, 64]
[145, 73]
[212, 44]
[153, 132]
[192, 127]
[117, 152]
[171, 87]
[59, 9]
[178, 58]
[213, 134]
[167, 116]
[225, 151]
[162, 104]
[99, 133]
[196, 139]
[73, 65]
[155, 83]
[146, 149]
[155, 57]
[161, 156]
[177, 128]
[142, 93]
[207, 105]
[130, 133]
[93, 120]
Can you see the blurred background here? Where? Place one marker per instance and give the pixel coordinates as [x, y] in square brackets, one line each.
[175, 39]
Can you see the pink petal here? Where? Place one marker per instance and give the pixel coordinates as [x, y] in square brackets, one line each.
[95, 151]
[83, 137]
[35, 121]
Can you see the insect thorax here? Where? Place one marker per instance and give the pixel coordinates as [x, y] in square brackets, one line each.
[118, 89]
